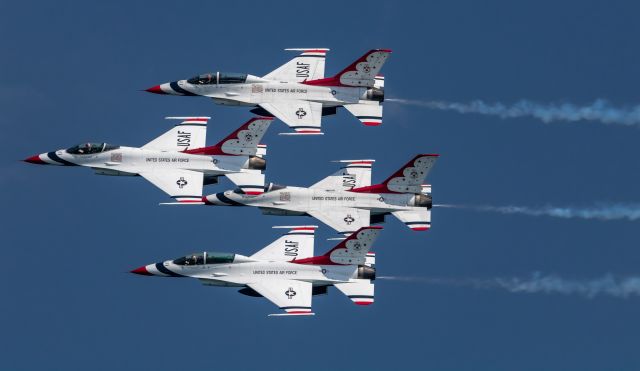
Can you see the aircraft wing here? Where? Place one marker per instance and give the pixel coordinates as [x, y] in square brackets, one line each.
[182, 185]
[303, 116]
[294, 297]
[345, 220]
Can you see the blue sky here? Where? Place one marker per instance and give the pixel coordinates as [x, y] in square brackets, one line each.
[73, 72]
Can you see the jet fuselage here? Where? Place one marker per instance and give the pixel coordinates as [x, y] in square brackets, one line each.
[131, 161]
[244, 270]
[303, 200]
[258, 90]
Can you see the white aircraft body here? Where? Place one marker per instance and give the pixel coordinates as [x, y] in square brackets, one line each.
[286, 272]
[178, 162]
[346, 201]
[297, 92]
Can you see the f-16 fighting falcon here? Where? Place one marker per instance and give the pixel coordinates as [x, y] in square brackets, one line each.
[346, 200]
[297, 92]
[178, 162]
[285, 272]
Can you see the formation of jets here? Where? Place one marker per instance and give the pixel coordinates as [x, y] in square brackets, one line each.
[286, 272]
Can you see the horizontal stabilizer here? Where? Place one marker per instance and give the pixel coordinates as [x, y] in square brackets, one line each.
[292, 314]
[251, 182]
[370, 260]
[418, 219]
[368, 112]
[379, 82]
[360, 292]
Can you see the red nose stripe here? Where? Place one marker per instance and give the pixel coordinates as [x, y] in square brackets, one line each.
[142, 271]
[156, 90]
[35, 160]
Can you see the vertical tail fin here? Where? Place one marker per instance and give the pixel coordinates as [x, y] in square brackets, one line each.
[309, 65]
[244, 141]
[190, 133]
[295, 244]
[361, 292]
[408, 179]
[356, 173]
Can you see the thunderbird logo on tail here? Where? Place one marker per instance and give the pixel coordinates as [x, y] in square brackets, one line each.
[297, 92]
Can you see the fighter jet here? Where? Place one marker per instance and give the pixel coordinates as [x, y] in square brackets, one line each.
[297, 92]
[177, 161]
[346, 200]
[285, 272]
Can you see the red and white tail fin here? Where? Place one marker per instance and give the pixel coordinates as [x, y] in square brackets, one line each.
[309, 65]
[189, 133]
[351, 251]
[295, 244]
[354, 174]
[244, 141]
[362, 72]
[408, 179]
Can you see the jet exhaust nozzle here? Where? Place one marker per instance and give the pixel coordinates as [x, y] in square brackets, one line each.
[257, 163]
[366, 273]
[375, 94]
[422, 200]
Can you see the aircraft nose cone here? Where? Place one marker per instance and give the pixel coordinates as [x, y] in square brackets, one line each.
[142, 271]
[35, 159]
[155, 90]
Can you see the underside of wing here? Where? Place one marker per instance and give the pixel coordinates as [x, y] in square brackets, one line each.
[294, 297]
[182, 185]
[303, 116]
[345, 220]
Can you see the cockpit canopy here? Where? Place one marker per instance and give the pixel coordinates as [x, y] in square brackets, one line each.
[218, 78]
[89, 148]
[205, 258]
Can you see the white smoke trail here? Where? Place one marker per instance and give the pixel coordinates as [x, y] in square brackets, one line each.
[600, 110]
[550, 284]
[629, 212]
